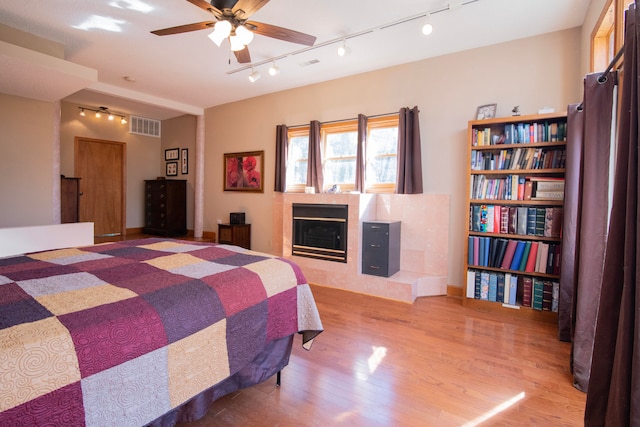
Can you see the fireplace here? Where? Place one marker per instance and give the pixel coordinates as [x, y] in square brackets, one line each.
[320, 231]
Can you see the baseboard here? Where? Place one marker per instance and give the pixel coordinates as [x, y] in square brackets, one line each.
[454, 291]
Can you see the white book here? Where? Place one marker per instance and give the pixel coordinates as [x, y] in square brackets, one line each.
[471, 284]
[507, 287]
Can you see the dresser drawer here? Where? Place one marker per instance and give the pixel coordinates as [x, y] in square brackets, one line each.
[381, 248]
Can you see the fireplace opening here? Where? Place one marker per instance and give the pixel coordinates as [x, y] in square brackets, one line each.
[320, 231]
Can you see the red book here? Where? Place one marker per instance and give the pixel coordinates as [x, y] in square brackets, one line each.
[497, 219]
[531, 261]
[508, 254]
[527, 291]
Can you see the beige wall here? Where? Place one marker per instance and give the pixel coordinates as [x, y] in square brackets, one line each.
[532, 73]
[144, 154]
[26, 161]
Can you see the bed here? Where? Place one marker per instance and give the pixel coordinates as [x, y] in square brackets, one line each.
[143, 332]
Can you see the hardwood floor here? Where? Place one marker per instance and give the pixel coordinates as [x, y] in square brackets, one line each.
[433, 363]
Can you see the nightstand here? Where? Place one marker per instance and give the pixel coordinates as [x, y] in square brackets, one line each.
[235, 234]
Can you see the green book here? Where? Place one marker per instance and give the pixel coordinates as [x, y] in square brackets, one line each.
[525, 256]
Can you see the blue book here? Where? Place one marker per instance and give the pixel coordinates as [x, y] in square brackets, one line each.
[501, 288]
[513, 289]
[493, 287]
[484, 285]
[517, 256]
[487, 242]
[481, 252]
[470, 255]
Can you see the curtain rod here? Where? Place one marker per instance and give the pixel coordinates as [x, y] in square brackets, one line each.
[603, 76]
[344, 120]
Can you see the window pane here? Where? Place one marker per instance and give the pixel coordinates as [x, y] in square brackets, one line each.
[382, 169]
[298, 155]
[343, 144]
[340, 171]
[382, 148]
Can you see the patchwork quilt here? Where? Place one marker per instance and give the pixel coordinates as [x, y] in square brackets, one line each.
[121, 333]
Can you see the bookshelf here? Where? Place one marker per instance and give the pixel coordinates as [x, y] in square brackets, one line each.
[515, 192]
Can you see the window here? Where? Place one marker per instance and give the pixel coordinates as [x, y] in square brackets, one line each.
[607, 37]
[339, 149]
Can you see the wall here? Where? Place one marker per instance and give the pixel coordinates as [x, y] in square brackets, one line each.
[26, 143]
[143, 154]
[533, 73]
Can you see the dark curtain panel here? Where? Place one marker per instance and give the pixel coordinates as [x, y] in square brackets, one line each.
[282, 146]
[409, 179]
[360, 164]
[314, 167]
[593, 208]
[571, 222]
[615, 371]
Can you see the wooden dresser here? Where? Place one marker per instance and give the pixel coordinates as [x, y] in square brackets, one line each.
[69, 199]
[165, 204]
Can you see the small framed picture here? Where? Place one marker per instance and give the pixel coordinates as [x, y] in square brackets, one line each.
[172, 168]
[486, 111]
[184, 161]
[172, 154]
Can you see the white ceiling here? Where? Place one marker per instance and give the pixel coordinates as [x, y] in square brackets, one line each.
[186, 73]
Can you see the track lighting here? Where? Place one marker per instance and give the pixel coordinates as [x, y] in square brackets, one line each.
[427, 28]
[274, 70]
[344, 49]
[255, 75]
[100, 111]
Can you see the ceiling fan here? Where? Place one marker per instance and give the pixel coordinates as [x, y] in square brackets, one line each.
[232, 23]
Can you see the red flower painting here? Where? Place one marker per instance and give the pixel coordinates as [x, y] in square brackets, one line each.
[243, 171]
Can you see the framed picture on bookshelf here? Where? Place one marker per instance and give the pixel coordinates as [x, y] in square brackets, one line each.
[486, 111]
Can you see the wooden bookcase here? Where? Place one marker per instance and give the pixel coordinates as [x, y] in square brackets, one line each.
[502, 214]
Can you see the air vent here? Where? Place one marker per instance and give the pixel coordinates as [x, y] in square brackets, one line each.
[144, 126]
[311, 62]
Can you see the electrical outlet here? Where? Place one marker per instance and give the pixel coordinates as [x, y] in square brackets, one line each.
[219, 221]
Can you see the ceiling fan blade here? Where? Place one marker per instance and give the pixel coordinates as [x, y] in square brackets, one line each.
[249, 7]
[205, 5]
[243, 56]
[184, 28]
[281, 33]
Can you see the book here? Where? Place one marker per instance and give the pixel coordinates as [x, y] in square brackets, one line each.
[481, 252]
[487, 246]
[504, 219]
[540, 221]
[508, 254]
[513, 289]
[530, 267]
[517, 256]
[513, 219]
[558, 259]
[476, 218]
[497, 218]
[553, 222]
[527, 291]
[528, 190]
[525, 256]
[537, 292]
[501, 248]
[543, 250]
[522, 221]
[484, 285]
[471, 283]
[493, 287]
[555, 296]
[470, 250]
[507, 288]
[500, 290]
[483, 218]
[551, 258]
[547, 295]
[531, 221]
[490, 218]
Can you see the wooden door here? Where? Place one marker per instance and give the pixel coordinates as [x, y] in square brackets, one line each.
[101, 165]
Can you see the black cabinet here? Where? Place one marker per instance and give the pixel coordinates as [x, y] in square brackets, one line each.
[381, 248]
[69, 199]
[165, 204]
[235, 234]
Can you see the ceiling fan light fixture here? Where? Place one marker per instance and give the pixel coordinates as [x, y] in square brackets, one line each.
[123, 120]
[244, 34]
[254, 76]
[221, 31]
[236, 44]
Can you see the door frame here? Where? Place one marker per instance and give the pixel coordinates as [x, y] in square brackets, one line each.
[123, 189]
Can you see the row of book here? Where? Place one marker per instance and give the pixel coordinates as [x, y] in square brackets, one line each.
[516, 187]
[515, 255]
[519, 158]
[522, 220]
[521, 133]
[512, 289]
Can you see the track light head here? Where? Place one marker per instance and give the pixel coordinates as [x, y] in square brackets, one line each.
[274, 70]
[254, 76]
[344, 49]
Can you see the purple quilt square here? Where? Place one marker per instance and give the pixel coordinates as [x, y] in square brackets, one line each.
[135, 253]
[212, 253]
[283, 314]
[11, 292]
[21, 311]
[117, 275]
[44, 270]
[296, 269]
[14, 260]
[101, 264]
[246, 335]
[110, 334]
[25, 264]
[186, 308]
[61, 407]
[237, 289]
[240, 260]
[151, 282]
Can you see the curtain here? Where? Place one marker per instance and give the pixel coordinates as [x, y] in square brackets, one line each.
[409, 175]
[314, 167]
[282, 146]
[586, 209]
[615, 371]
[360, 164]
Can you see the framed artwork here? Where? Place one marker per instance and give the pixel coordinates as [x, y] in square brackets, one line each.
[244, 171]
[184, 161]
[172, 168]
[486, 111]
[172, 154]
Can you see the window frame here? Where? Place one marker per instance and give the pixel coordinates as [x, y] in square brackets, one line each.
[298, 131]
[610, 25]
[382, 122]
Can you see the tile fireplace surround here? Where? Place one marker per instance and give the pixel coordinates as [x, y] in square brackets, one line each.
[424, 244]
